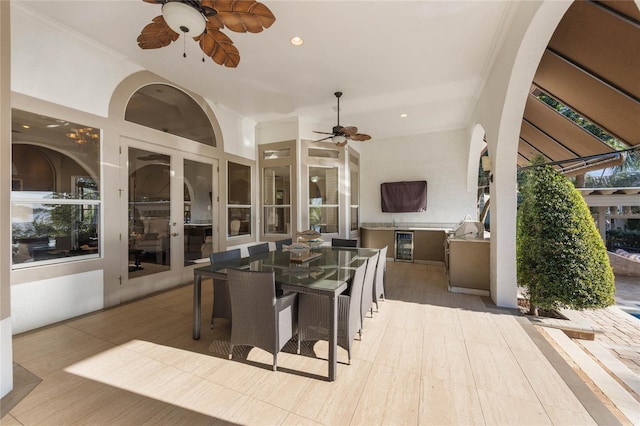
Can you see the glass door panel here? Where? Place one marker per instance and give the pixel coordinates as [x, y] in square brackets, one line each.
[149, 212]
[197, 207]
[276, 190]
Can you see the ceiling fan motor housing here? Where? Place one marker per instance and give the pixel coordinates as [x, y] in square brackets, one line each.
[184, 17]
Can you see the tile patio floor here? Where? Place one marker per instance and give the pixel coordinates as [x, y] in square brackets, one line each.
[428, 357]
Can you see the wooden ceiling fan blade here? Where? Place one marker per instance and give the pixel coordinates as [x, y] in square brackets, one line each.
[323, 133]
[155, 1]
[243, 15]
[349, 131]
[213, 22]
[360, 137]
[324, 139]
[219, 48]
[156, 34]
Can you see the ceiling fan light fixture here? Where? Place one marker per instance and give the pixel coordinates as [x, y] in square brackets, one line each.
[183, 18]
[338, 139]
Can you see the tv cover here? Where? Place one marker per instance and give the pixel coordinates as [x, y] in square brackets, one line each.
[404, 197]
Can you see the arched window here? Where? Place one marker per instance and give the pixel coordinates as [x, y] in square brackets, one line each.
[170, 110]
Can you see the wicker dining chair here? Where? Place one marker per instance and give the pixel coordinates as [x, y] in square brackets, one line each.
[341, 242]
[367, 289]
[314, 313]
[260, 319]
[258, 249]
[285, 242]
[378, 284]
[221, 301]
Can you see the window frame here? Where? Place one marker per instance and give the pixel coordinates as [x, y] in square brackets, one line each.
[43, 201]
[336, 206]
[230, 205]
[353, 166]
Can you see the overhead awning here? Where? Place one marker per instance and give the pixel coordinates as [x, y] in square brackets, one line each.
[592, 66]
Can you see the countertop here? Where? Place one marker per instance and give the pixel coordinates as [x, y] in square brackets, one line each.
[403, 228]
[407, 227]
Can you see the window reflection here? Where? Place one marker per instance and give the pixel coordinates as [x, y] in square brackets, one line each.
[323, 199]
[170, 110]
[277, 199]
[355, 197]
[239, 199]
[149, 212]
[55, 189]
[198, 224]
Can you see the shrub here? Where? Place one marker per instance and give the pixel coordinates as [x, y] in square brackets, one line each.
[561, 258]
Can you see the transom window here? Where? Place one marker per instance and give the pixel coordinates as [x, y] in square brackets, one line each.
[170, 110]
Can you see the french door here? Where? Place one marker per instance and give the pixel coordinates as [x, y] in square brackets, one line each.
[171, 216]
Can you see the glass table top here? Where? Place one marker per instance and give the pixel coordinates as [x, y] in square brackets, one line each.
[327, 272]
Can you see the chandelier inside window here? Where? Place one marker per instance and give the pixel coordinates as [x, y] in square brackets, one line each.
[83, 135]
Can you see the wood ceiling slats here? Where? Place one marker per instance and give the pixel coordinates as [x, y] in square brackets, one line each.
[590, 36]
[591, 98]
[563, 130]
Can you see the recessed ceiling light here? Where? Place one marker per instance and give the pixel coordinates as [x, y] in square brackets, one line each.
[297, 41]
[403, 115]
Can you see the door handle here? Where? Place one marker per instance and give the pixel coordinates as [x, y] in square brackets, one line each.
[175, 234]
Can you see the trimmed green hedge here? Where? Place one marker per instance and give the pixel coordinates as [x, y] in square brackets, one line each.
[561, 258]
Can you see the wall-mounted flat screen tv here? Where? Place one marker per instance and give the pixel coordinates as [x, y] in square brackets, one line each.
[404, 197]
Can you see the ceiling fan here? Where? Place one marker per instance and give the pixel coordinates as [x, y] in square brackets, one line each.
[341, 135]
[203, 20]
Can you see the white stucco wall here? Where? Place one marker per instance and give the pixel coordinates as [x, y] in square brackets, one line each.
[499, 110]
[238, 132]
[43, 302]
[40, 297]
[59, 66]
[439, 158]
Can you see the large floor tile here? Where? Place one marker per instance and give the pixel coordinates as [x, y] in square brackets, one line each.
[446, 358]
[333, 403]
[495, 369]
[401, 349]
[427, 357]
[444, 402]
[390, 396]
[499, 409]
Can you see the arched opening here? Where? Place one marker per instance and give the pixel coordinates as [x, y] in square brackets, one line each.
[168, 148]
[167, 109]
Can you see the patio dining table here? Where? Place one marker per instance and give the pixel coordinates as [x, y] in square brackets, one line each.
[328, 274]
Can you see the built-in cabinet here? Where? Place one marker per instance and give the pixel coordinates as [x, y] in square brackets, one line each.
[427, 247]
[467, 262]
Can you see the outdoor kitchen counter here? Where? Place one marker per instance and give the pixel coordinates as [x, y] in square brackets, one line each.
[428, 242]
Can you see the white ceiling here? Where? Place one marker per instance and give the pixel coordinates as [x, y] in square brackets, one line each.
[428, 59]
